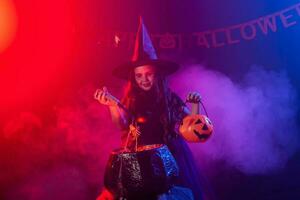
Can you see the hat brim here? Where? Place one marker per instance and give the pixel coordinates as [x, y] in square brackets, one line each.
[164, 67]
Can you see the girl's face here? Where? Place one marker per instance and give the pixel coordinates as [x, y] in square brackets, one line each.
[144, 76]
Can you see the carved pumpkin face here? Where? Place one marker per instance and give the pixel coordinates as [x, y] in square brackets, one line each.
[196, 128]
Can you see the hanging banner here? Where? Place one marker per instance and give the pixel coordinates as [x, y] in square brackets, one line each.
[262, 26]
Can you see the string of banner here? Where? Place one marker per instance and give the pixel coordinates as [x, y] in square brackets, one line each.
[215, 38]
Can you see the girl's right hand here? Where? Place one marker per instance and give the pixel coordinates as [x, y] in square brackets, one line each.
[105, 98]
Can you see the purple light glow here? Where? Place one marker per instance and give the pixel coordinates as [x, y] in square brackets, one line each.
[254, 120]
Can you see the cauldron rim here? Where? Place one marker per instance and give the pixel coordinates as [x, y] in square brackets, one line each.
[151, 147]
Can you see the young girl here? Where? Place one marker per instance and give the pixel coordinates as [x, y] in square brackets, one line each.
[155, 111]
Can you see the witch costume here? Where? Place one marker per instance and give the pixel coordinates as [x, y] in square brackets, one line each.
[157, 122]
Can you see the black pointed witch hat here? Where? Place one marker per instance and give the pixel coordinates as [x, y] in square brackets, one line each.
[144, 54]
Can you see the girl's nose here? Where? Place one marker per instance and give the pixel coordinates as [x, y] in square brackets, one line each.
[145, 78]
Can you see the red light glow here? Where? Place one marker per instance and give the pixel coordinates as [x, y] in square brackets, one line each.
[8, 23]
[34, 64]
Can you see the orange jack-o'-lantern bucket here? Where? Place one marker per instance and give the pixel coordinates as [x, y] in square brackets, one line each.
[196, 128]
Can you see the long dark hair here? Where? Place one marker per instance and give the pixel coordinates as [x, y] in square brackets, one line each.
[161, 93]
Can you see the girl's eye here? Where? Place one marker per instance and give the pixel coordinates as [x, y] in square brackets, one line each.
[138, 75]
[149, 74]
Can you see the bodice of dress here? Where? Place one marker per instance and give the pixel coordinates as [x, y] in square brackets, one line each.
[150, 127]
[150, 117]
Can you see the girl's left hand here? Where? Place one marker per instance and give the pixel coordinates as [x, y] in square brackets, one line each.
[193, 97]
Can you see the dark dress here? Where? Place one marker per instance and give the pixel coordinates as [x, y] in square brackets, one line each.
[154, 130]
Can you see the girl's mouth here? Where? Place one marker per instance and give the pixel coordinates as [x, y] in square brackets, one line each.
[146, 84]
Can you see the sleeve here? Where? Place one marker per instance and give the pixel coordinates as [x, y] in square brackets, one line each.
[179, 109]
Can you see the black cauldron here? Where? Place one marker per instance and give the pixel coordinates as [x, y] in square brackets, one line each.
[149, 171]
